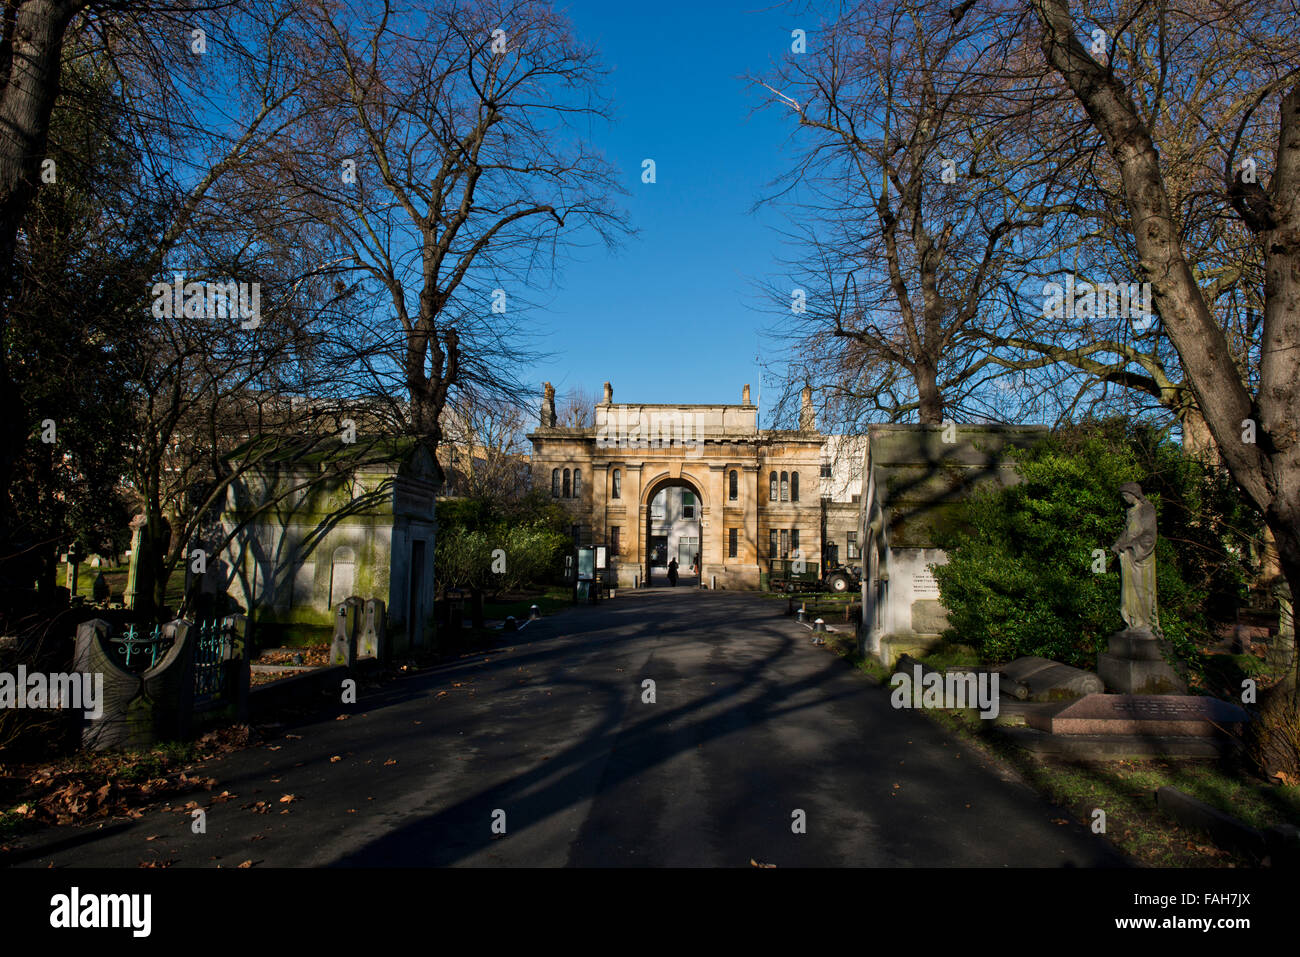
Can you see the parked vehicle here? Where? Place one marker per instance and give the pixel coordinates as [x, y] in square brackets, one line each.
[843, 578]
[786, 575]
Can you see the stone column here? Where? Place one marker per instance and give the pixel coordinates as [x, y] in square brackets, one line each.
[751, 548]
[634, 530]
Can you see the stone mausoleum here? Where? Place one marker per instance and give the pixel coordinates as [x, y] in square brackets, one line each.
[303, 545]
[916, 480]
[663, 482]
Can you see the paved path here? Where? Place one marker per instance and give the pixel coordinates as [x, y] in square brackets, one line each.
[751, 722]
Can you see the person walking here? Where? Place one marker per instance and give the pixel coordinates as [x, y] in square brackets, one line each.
[672, 572]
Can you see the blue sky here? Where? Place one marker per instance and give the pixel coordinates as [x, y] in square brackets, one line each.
[672, 316]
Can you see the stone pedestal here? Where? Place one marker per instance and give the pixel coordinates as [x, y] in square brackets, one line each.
[1134, 663]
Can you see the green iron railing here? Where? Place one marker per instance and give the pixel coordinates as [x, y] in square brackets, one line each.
[154, 644]
[215, 643]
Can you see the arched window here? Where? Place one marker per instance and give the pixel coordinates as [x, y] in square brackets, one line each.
[566, 483]
[785, 486]
[577, 483]
[771, 495]
[794, 486]
[733, 488]
[616, 484]
[555, 483]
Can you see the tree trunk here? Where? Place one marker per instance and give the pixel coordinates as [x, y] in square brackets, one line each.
[926, 375]
[1198, 443]
[1266, 466]
[30, 58]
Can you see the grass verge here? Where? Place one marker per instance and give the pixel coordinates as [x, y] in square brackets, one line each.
[1124, 790]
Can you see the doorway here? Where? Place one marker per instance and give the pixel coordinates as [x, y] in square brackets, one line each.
[674, 524]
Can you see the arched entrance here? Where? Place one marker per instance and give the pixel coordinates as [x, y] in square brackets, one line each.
[673, 523]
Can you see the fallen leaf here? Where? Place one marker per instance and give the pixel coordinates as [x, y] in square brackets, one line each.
[246, 864]
[335, 759]
[293, 737]
[342, 717]
[390, 761]
[152, 837]
[288, 798]
[754, 863]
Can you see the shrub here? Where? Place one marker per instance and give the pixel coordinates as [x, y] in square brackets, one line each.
[1019, 579]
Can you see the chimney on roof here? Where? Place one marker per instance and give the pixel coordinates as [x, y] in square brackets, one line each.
[744, 395]
[609, 394]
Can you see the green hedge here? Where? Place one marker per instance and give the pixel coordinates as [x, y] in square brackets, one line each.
[1019, 579]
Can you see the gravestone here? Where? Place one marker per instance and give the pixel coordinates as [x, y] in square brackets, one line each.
[140, 708]
[371, 644]
[347, 615]
[1043, 679]
[1154, 715]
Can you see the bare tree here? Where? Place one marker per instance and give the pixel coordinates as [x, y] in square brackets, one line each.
[486, 447]
[576, 409]
[911, 206]
[1245, 55]
[447, 163]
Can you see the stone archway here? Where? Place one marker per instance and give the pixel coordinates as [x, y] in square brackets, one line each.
[650, 541]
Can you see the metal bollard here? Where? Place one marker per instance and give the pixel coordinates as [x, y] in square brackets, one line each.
[510, 624]
[819, 625]
[534, 613]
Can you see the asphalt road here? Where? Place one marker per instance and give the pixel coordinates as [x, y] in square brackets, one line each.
[750, 723]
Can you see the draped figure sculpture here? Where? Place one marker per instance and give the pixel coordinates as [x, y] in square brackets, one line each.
[1136, 548]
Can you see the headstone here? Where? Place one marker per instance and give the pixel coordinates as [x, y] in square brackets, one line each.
[99, 588]
[1045, 680]
[343, 649]
[1166, 715]
[138, 709]
[73, 559]
[372, 642]
[133, 571]
[1134, 662]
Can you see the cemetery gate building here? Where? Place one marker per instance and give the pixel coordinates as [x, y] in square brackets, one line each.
[701, 483]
